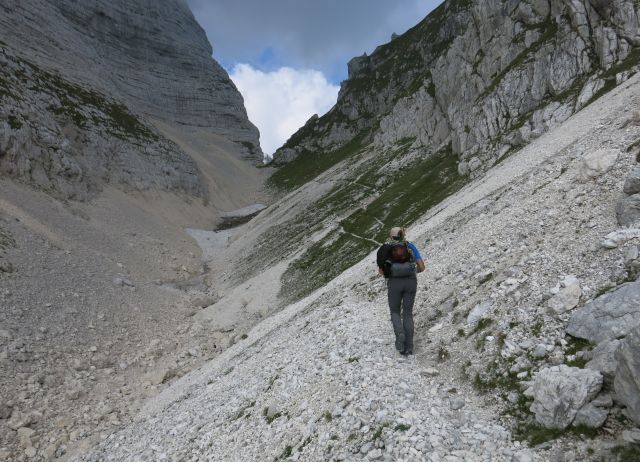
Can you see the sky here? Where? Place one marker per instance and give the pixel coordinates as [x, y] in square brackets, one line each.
[288, 57]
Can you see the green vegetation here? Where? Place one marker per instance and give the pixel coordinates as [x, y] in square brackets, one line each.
[14, 122]
[285, 453]
[609, 76]
[575, 344]
[243, 410]
[268, 418]
[482, 324]
[536, 434]
[627, 453]
[78, 103]
[304, 444]
[402, 427]
[309, 165]
[327, 416]
[378, 433]
[536, 328]
[492, 381]
[407, 195]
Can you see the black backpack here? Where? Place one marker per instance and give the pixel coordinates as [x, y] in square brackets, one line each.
[394, 252]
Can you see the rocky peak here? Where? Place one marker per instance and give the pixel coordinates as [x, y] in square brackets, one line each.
[82, 77]
[483, 76]
[153, 55]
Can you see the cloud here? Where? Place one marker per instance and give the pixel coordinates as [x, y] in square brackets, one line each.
[303, 34]
[281, 101]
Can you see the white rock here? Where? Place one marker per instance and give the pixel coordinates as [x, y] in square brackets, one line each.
[597, 163]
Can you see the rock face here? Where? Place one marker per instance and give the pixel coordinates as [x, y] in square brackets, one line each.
[609, 316]
[627, 381]
[628, 211]
[560, 392]
[80, 83]
[153, 55]
[485, 90]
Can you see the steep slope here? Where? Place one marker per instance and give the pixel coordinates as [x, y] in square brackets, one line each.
[117, 131]
[82, 84]
[485, 76]
[152, 55]
[427, 112]
[320, 380]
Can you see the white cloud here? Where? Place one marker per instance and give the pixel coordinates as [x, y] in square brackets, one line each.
[280, 102]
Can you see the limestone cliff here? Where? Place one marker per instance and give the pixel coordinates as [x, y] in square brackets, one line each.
[424, 114]
[485, 76]
[82, 82]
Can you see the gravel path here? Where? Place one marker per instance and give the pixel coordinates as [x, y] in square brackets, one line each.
[326, 386]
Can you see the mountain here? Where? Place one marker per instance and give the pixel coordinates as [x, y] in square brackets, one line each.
[513, 259]
[100, 74]
[505, 135]
[484, 77]
[118, 130]
[434, 108]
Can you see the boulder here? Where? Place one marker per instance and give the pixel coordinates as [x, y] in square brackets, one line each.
[566, 299]
[619, 237]
[627, 380]
[24, 435]
[559, 392]
[157, 376]
[609, 316]
[628, 210]
[597, 163]
[591, 416]
[632, 183]
[603, 359]
[5, 411]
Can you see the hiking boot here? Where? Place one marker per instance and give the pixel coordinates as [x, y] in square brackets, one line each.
[406, 352]
[400, 343]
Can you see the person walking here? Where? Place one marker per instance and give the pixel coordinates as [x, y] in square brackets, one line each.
[398, 261]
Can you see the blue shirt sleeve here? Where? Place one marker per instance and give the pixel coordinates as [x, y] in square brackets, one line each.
[415, 251]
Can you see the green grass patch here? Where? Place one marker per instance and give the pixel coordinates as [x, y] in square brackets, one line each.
[535, 434]
[491, 381]
[409, 194]
[402, 427]
[627, 453]
[286, 453]
[308, 165]
[76, 102]
[14, 122]
[482, 324]
[609, 76]
[575, 344]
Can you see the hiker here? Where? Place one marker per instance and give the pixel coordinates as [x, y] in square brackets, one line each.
[399, 261]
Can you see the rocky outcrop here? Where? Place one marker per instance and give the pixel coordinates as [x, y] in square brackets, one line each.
[609, 316]
[560, 393]
[627, 381]
[484, 76]
[152, 55]
[80, 85]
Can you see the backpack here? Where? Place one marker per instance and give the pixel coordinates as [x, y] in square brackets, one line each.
[400, 253]
[396, 259]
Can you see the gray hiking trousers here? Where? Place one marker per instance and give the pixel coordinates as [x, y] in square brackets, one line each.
[402, 294]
